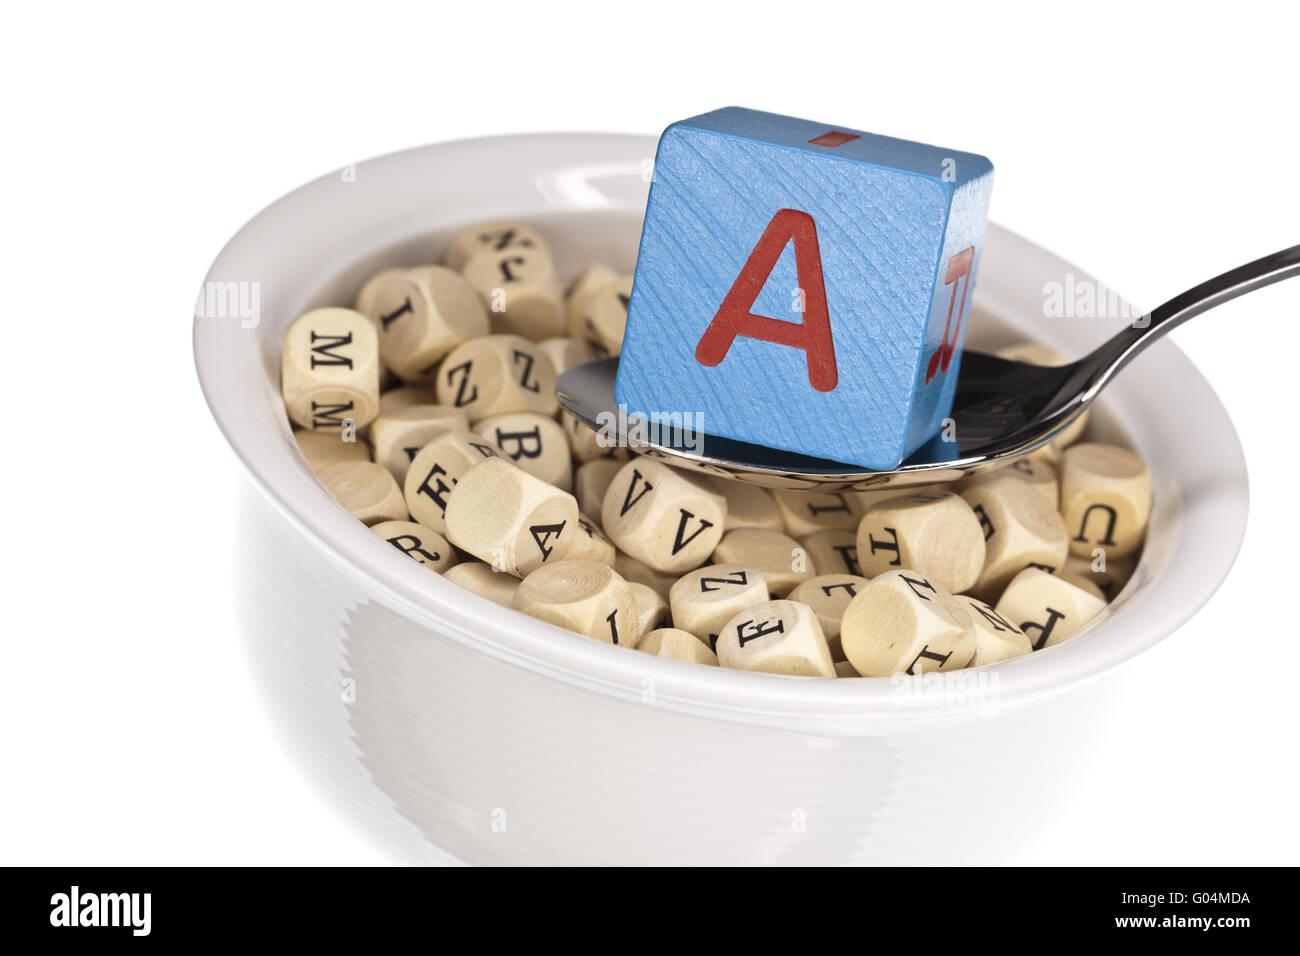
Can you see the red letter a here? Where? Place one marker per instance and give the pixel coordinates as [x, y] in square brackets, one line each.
[813, 335]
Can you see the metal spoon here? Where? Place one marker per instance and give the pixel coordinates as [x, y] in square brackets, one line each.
[1002, 410]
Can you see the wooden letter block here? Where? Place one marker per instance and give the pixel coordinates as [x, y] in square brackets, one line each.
[651, 609]
[520, 290]
[582, 596]
[1021, 529]
[807, 512]
[366, 490]
[748, 506]
[996, 638]
[328, 448]
[435, 470]
[485, 581]
[1040, 475]
[833, 552]
[828, 595]
[604, 317]
[502, 515]
[633, 570]
[783, 560]
[492, 237]
[565, 353]
[580, 289]
[1048, 609]
[590, 544]
[901, 622]
[1107, 574]
[423, 314]
[704, 600]
[802, 286]
[663, 517]
[677, 645]
[585, 443]
[329, 370]
[536, 443]
[934, 533]
[495, 375]
[1105, 498]
[418, 543]
[777, 637]
[399, 435]
[592, 480]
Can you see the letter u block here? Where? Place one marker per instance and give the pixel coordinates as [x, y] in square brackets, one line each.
[803, 286]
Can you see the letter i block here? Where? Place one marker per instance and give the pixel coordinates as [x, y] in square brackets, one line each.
[803, 286]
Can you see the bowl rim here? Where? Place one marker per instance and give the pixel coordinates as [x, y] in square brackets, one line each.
[233, 374]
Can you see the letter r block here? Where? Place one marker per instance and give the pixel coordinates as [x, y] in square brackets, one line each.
[804, 286]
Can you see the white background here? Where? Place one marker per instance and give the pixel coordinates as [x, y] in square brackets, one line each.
[1154, 149]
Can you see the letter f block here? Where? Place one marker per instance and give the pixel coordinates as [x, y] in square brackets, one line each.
[803, 286]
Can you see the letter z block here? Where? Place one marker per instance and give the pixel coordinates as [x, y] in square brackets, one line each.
[803, 286]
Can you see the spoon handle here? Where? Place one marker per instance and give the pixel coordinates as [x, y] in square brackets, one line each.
[1117, 352]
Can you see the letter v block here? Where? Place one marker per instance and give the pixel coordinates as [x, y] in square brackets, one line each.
[803, 286]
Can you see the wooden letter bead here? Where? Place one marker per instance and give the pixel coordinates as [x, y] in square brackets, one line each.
[934, 533]
[520, 291]
[418, 543]
[536, 443]
[604, 317]
[807, 512]
[582, 596]
[651, 609]
[491, 237]
[1039, 475]
[1107, 574]
[781, 558]
[1036, 354]
[748, 506]
[423, 314]
[677, 645]
[404, 396]
[495, 375]
[399, 435]
[584, 442]
[996, 638]
[663, 517]
[901, 622]
[565, 353]
[804, 287]
[365, 298]
[833, 552]
[329, 370]
[591, 544]
[328, 448]
[435, 470]
[1105, 498]
[485, 581]
[634, 571]
[506, 517]
[703, 601]
[580, 289]
[828, 595]
[590, 483]
[1021, 529]
[777, 637]
[366, 490]
[1047, 608]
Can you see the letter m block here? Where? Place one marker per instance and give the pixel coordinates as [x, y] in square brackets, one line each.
[804, 286]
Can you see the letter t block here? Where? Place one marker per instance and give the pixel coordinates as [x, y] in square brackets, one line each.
[803, 286]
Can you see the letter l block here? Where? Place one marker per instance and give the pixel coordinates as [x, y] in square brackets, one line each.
[803, 286]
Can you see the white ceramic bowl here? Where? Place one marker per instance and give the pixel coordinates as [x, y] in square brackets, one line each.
[453, 729]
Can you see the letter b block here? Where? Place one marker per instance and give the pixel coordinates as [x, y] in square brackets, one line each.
[802, 286]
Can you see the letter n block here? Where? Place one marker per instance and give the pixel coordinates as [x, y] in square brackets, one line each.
[804, 286]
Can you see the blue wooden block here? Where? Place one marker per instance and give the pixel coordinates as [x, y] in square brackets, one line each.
[803, 286]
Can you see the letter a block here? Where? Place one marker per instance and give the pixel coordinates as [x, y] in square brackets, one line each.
[804, 286]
